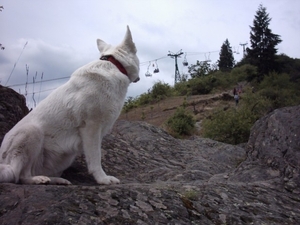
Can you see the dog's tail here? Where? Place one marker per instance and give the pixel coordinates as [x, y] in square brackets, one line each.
[7, 174]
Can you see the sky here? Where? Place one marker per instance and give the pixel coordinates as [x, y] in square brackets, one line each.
[46, 41]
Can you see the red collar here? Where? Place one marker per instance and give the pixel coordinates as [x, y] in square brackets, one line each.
[115, 62]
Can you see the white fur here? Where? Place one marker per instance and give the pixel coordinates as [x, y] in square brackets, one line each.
[72, 119]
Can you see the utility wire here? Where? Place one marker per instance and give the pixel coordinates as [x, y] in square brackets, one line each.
[14, 85]
[141, 64]
[16, 62]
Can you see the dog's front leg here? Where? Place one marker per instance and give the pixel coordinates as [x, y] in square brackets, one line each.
[91, 140]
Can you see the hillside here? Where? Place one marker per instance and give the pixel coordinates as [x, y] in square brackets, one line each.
[198, 105]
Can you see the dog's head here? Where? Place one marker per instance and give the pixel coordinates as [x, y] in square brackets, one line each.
[125, 53]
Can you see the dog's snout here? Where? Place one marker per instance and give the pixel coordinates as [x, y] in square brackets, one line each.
[136, 80]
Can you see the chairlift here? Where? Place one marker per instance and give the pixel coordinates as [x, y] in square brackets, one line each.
[207, 59]
[185, 62]
[236, 50]
[148, 74]
[156, 70]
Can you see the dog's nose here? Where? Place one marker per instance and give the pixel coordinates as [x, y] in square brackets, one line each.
[136, 80]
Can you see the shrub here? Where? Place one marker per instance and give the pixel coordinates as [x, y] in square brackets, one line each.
[160, 90]
[201, 85]
[130, 103]
[245, 72]
[182, 88]
[144, 99]
[231, 126]
[181, 123]
[279, 90]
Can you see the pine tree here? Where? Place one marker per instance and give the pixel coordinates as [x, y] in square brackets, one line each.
[263, 43]
[226, 61]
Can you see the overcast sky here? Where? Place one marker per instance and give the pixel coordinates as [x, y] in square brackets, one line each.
[61, 36]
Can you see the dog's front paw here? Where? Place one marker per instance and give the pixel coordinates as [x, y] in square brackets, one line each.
[108, 180]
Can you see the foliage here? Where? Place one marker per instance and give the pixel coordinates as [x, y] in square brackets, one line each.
[226, 60]
[242, 73]
[215, 80]
[233, 125]
[201, 68]
[263, 44]
[289, 65]
[279, 89]
[160, 90]
[201, 85]
[181, 123]
[182, 88]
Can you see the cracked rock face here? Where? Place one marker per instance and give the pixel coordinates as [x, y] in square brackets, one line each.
[12, 109]
[273, 150]
[169, 181]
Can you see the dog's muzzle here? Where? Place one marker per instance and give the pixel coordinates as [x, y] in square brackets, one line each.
[136, 80]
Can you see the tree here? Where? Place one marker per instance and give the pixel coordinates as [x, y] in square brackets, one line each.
[263, 44]
[200, 69]
[226, 61]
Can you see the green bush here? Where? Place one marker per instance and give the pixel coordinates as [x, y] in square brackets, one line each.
[242, 73]
[231, 126]
[201, 85]
[181, 123]
[160, 90]
[182, 88]
[279, 90]
[130, 103]
[144, 99]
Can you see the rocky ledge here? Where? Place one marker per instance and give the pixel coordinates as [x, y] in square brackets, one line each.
[169, 181]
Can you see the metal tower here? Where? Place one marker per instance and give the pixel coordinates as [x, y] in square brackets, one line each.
[174, 56]
[244, 50]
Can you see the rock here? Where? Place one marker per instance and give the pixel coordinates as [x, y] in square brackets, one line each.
[273, 151]
[171, 181]
[12, 109]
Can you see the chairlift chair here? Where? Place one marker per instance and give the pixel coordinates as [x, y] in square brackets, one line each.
[156, 70]
[185, 62]
[207, 59]
[148, 74]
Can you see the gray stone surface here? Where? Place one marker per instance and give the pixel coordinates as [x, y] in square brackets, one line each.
[171, 181]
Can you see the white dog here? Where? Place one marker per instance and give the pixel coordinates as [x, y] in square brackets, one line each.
[72, 119]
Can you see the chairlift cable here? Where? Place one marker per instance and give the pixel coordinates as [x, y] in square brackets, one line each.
[16, 63]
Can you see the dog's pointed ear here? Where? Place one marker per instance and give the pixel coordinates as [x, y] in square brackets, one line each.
[127, 42]
[101, 45]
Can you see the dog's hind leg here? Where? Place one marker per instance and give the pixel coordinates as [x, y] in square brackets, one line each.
[7, 174]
